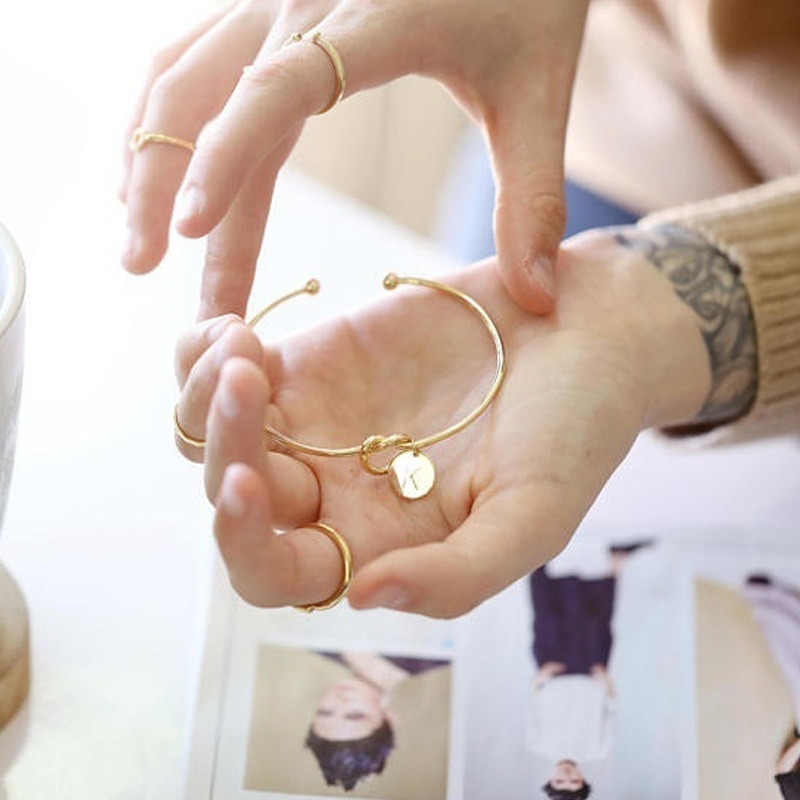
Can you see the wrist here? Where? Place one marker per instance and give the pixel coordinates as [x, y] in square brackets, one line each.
[667, 373]
[709, 286]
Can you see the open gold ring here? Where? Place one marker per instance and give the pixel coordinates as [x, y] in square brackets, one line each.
[336, 62]
[347, 570]
[141, 137]
[181, 433]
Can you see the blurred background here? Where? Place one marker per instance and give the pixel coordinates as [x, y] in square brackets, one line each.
[391, 148]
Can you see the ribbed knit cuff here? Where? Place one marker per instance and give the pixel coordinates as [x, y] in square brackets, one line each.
[759, 230]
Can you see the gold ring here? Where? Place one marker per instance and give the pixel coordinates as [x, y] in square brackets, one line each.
[347, 570]
[140, 137]
[411, 473]
[336, 62]
[181, 433]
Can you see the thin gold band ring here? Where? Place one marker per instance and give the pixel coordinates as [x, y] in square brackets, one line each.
[181, 433]
[336, 62]
[347, 570]
[141, 137]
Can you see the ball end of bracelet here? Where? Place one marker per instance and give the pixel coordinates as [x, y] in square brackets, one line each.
[390, 281]
[312, 287]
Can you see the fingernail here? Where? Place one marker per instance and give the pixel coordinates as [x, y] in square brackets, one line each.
[190, 203]
[223, 351]
[233, 504]
[392, 595]
[217, 328]
[542, 272]
[129, 247]
[228, 402]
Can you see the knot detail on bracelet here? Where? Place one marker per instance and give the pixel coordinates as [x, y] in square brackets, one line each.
[411, 472]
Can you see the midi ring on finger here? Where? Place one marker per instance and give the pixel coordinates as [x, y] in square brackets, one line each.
[141, 137]
[336, 62]
[181, 433]
[347, 570]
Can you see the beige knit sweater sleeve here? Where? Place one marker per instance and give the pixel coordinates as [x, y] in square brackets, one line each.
[759, 230]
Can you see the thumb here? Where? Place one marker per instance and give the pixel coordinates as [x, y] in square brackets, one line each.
[527, 131]
[530, 213]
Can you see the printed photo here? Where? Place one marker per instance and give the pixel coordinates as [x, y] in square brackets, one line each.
[352, 723]
[572, 702]
[747, 670]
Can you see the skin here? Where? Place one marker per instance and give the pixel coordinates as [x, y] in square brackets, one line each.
[510, 64]
[547, 672]
[600, 674]
[375, 669]
[788, 762]
[350, 709]
[567, 775]
[553, 669]
[511, 487]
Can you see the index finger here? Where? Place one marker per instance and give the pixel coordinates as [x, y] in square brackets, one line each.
[273, 97]
[180, 102]
[165, 59]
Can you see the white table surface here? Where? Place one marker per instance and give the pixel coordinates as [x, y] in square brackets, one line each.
[107, 529]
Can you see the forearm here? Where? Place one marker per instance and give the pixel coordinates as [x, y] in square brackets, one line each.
[375, 669]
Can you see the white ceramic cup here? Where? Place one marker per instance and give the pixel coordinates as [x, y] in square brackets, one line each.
[12, 294]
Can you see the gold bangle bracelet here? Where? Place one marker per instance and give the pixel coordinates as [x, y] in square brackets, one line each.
[411, 473]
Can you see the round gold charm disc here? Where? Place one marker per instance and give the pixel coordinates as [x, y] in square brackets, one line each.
[411, 474]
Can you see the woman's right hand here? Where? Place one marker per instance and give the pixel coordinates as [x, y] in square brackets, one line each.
[509, 63]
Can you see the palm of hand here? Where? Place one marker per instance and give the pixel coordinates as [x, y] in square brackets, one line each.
[510, 487]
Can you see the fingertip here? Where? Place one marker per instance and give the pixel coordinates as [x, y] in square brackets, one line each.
[194, 342]
[530, 218]
[192, 212]
[238, 356]
[531, 282]
[240, 492]
[389, 594]
[139, 255]
[232, 501]
[235, 389]
[430, 580]
[529, 234]
[241, 518]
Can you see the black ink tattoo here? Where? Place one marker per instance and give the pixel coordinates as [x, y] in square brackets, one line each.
[711, 285]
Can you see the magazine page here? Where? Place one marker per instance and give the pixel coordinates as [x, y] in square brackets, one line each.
[574, 678]
[655, 658]
[653, 668]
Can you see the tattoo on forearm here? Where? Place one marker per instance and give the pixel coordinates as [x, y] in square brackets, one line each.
[711, 285]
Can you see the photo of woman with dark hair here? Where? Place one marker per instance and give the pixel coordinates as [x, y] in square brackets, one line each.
[344, 763]
[352, 732]
[353, 723]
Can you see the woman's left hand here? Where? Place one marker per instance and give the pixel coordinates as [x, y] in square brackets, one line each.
[510, 488]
